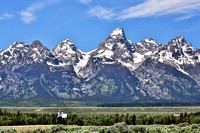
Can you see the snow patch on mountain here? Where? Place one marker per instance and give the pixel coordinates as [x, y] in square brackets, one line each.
[148, 53]
[20, 45]
[109, 46]
[54, 65]
[181, 70]
[129, 65]
[106, 54]
[138, 58]
[82, 62]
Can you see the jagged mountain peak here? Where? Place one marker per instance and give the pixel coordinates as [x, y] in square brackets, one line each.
[15, 48]
[67, 52]
[19, 45]
[37, 46]
[149, 38]
[37, 52]
[116, 37]
[36, 43]
[117, 32]
[67, 42]
[178, 54]
[115, 40]
[178, 41]
[177, 46]
[14, 53]
[147, 46]
[150, 41]
[181, 39]
[65, 46]
[116, 49]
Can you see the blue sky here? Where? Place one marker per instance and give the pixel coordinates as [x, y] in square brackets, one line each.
[88, 22]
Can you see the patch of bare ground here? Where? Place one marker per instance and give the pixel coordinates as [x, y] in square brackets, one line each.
[32, 127]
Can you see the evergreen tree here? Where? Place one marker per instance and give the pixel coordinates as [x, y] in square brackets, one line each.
[1, 112]
[133, 120]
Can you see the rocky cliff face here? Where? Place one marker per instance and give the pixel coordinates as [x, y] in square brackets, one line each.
[117, 69]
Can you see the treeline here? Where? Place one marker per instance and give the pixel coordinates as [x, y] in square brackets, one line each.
[146, 104]
[9, 119]
[93, 102]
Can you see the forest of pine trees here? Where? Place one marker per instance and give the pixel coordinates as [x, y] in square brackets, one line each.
[9, 119]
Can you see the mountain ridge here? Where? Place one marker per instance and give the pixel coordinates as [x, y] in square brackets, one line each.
[118, 68]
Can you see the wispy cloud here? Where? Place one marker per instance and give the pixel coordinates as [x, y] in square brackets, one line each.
[101, 13]
[85, 1]
[184, 17]
[161, 7]
[6, 16]
[28, 15]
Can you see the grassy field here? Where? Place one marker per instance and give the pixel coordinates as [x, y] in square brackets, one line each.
[105, 110]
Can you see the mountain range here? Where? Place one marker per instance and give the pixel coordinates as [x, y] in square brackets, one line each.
[117, 70]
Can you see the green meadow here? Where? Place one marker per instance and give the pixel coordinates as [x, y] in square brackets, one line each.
[149, 111]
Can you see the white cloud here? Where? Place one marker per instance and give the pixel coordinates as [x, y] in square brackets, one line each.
[101, 13]
[6, 16]
[28, 15]
[85, 1]
[161, 7]
[184, 17]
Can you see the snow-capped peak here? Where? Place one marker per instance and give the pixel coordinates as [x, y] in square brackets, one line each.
[116, 49]
[19, 46]
[118, 31]
[116, 39]
[67, 52]
[147, 46]
[38, 46]
[149, 40]
[67, 42]
[66, 46]
[38, 52]
[13, 53]
[178, 54]
[181, 38]
[178, 41]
